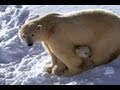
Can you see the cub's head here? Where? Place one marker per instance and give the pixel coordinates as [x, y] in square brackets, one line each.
[83, 52]
[30, 33]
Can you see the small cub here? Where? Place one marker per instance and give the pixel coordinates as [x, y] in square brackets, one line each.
[83, 52]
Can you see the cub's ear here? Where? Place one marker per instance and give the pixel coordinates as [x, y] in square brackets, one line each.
[39, 27]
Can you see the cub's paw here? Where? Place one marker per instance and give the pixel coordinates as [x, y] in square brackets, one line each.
[88, 64]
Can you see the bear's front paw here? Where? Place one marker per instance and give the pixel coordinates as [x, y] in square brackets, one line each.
[58, 70]
[48, 68]
[71, 72]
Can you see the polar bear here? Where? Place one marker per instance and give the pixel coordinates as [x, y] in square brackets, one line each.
[61, 32]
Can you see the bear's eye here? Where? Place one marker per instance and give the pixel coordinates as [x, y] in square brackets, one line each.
[39, 27]
[32, 35]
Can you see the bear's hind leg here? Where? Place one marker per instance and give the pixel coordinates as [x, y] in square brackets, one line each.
[102, 52]
[70, 59]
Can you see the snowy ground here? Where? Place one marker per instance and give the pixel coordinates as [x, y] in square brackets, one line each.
[21, 65]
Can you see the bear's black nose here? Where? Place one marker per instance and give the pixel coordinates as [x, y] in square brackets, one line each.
[30, 44]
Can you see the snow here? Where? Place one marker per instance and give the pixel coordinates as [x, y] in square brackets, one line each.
[22, 65]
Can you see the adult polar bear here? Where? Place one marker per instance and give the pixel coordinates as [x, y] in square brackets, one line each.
[60, 33]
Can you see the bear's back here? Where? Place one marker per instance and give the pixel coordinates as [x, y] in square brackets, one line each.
[85, 25]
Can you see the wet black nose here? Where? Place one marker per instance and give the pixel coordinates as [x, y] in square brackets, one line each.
[30, 44]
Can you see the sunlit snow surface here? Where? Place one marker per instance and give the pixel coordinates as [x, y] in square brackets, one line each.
[22, 65]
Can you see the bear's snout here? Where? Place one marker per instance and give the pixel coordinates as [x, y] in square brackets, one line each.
[30, 44]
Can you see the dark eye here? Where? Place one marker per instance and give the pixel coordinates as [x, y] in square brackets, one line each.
[39, 27]
[32, 35]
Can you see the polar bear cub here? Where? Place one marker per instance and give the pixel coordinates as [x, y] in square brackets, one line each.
[84, 52]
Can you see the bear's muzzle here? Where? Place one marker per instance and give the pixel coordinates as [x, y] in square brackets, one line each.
[30, 44]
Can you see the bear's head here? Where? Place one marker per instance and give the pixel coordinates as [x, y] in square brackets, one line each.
[31, 32]
[39, 29]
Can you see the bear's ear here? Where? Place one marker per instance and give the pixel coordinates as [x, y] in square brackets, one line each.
[19, 26]
[39, 27]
